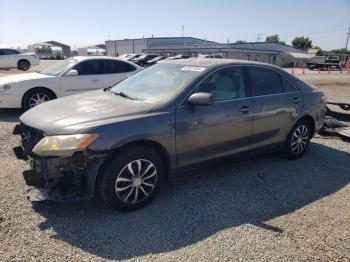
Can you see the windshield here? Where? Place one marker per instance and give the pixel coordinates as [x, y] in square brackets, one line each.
[157, 83]
[59, 67]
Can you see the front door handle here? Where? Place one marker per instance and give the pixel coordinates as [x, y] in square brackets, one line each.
[297, 100]
[245, 109]
[95, 80]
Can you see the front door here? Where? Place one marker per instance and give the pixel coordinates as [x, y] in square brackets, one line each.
[89, 78]
[205, 132]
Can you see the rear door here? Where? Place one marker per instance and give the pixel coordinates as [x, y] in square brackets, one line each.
[206, 132]
[89, 78]
[276, 104]
[114, 71]
[8, 58]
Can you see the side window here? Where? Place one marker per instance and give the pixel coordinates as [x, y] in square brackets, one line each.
[10, 52]
[1, 52]
[114, 67]
[264, 81]
[225, 84]
[287, 86]
[91, 67]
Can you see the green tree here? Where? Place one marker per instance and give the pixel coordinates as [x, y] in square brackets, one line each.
[320, 52]
[274, 38]
[302, 42]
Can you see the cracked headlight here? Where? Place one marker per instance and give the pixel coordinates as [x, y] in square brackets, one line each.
[63, 144]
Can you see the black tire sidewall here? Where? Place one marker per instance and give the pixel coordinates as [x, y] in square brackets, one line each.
[287, 147]
[26, 63]
[115, 165]
[29, 94]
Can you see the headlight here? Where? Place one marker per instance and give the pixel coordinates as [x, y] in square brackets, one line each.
[5, 87]
[63, 144]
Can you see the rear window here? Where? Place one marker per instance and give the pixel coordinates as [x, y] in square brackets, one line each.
[264, 81]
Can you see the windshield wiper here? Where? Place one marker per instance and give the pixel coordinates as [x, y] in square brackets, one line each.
[122, 94]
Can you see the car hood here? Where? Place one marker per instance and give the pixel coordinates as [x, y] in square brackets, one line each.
[23, 77]
[70, 114]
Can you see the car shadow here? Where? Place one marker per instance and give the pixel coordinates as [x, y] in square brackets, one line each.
[197, 205]
[10, 115]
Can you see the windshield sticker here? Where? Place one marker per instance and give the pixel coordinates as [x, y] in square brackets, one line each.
[193, 68]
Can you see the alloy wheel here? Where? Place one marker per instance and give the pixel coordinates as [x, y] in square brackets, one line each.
[299, 139]
[136, 181]
[37, 99]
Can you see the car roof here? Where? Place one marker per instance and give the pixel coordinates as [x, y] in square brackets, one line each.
[84, 58]
[213, 62]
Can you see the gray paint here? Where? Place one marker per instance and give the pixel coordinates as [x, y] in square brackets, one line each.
[188, 134]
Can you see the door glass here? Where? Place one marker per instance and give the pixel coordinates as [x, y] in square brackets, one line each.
[264, 81]
[225, 84]
[91, 67]
[115, 67]
[10, 52]
[287, 86]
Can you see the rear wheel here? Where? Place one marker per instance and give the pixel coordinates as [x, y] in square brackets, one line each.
[36, 97]
[298, 140]
[132, 179]
[23, 65]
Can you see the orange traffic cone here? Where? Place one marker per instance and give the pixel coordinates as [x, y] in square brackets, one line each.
[303, 72]
[292, 71]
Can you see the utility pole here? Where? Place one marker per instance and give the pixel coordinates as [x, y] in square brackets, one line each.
[347, 39]
[259, 37]
[182, 31]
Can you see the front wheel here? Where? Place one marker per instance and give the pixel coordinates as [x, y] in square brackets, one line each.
[132, 179]
[36, 97]
[298, 140]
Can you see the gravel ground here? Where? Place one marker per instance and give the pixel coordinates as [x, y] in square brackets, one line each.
[264, 208]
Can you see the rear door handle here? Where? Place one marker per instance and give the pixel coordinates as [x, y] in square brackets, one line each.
[245, 109]
[297, 100]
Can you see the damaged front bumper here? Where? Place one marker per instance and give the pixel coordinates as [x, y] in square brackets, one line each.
[59, 178]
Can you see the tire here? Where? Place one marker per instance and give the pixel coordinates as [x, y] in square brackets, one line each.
[120, 189]
[39, 95]
[23, 65]
[298, 140]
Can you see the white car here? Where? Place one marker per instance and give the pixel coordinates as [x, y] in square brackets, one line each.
[67, 77]
[13, 58]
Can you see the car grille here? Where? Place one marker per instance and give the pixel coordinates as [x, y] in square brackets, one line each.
[30, 137]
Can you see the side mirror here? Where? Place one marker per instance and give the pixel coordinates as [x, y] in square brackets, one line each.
[72, 72]
[200, 99]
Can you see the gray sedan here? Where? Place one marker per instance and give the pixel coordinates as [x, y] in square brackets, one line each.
[122, 142]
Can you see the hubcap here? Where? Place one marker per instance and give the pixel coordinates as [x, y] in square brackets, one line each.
[136, 181]
[38, 99]
[299, 139]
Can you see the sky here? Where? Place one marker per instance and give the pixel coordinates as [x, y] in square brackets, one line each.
[83, 23]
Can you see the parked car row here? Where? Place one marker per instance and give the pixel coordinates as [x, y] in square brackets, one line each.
[149, 59]
[124, 140]
[15, 58]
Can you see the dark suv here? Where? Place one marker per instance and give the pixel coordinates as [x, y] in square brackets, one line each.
[123, 142]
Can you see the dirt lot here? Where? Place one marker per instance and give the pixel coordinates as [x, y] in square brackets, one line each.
[264, 208]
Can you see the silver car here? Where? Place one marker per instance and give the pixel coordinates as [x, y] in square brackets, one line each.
[122, 142]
